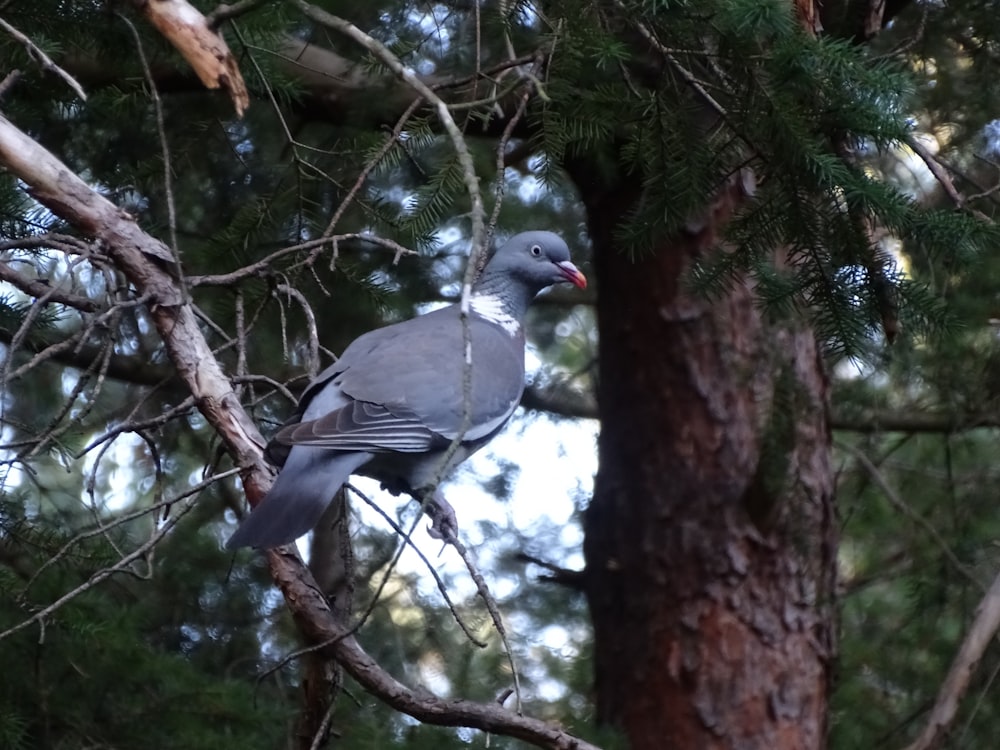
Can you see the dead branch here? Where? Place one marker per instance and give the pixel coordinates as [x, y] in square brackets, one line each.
[206, 51]
[42, 289]
[984, 627]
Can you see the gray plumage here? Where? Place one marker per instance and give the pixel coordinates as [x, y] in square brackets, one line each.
[390, 407]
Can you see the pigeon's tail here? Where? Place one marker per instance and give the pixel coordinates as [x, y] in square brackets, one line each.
[303, 489]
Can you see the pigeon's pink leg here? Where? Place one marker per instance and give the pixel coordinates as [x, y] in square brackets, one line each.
[444, 522]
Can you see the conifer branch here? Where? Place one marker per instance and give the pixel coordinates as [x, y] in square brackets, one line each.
[123, 565]
[668, 55]
[386, 57]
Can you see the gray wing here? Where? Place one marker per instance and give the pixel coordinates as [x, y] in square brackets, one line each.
[361, 426]
[400, 388]
[416, 372]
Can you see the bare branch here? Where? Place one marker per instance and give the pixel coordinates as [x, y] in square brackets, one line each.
[568, 577]
[317, 624]
[206, 51]
[82, 357]
[390, 142]
[43, 60]
[161, 131]
[224, 12]
[406, 538]
[263, 266]
[944, 179]
[984, 627]
[43, 290]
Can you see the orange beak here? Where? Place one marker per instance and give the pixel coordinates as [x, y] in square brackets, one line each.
[572, 274]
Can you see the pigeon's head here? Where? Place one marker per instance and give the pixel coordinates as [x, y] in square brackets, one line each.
[537, 259]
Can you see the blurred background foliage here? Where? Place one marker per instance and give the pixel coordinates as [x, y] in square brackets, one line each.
[183, 646]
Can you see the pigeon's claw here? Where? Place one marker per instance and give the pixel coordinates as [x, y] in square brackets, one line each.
[444, 522]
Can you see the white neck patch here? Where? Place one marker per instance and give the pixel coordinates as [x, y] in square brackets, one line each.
[491, 308]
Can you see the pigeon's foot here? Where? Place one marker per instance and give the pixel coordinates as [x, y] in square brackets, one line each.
[444, 522]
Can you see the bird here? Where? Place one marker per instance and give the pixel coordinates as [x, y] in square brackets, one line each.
[398, 397]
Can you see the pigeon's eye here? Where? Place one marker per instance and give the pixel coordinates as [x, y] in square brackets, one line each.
[536, 250]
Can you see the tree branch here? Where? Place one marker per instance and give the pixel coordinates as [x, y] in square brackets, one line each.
[940, 173]
[984, 627]
[205, 50]
[41, 288]
[385, 55]
[874, 421]
[312, 614]
[133, 251]
[134, 370]
[565, 402]
[44, 61]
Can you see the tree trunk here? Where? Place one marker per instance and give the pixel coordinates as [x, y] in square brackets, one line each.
[711, 537]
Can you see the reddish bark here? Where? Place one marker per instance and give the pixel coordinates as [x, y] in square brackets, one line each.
[711, 537]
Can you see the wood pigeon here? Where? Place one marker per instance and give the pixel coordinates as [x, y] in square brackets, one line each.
[391, 406]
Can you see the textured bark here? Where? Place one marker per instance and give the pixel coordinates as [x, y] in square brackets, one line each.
[711, 537]
[204, 48]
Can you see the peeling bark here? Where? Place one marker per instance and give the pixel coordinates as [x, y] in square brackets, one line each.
[710, 540]
[205, 50]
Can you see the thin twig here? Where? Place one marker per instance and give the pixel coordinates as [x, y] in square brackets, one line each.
[390, 142]
[429, 565]
[103, 528]
[897, 502]
[41, 288]
[225, 12]
[385, 55]
[44, 61]
[161, 131]
[943, 178]
[119, 567]
[491, 606]
[313, 365]
[501, 160]
[263, 266]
